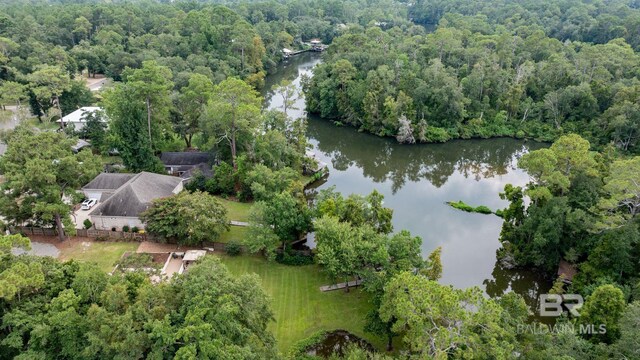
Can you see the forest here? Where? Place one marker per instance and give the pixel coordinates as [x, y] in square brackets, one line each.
[187, 75]
[476, 77]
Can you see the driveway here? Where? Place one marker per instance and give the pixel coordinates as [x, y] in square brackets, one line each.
[79, 216]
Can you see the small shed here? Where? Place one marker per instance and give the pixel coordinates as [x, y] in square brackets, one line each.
[567, 270]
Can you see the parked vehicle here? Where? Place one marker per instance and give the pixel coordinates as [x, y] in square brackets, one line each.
[88, 204]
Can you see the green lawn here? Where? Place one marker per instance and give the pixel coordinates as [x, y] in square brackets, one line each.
[237, 211]
[104, 254]
[299, 306]
[237, 233]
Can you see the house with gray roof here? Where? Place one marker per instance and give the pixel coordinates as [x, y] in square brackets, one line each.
[183, 164]
[123, 197]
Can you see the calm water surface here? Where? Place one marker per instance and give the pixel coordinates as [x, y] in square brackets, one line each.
[418, 180]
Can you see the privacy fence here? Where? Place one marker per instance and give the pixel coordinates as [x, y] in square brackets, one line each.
[107, 235]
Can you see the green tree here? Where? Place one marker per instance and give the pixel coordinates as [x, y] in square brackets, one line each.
[233, 112]
[12, 92]
[289, 93]
[604, 307]
[75, 97]
[95, 130]
[152, 84]
[629, 343]
[189, 106]
[337, 248]
[40, 170]
[438, 321]
[221, 316]
[189, 217]
[281, 220]
[128, 127]
[622, 186]
[48, 83]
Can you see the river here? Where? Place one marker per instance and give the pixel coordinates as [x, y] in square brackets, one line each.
[418, 180]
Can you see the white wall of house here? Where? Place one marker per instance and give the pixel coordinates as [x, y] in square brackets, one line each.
[108, 222]
[92, 194]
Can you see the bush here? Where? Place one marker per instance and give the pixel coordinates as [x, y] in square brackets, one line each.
[299, 349]
[137, 261]
[294, 259]
[114, 229]
[436, 134]
[135, 229]
[223, 180]
[125, 228]
[101, 238]
[233, 248]
[87, 224]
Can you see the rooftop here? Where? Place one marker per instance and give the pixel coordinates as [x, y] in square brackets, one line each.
[185, 158]
[136, 194]
[108, 181]
[78, 116]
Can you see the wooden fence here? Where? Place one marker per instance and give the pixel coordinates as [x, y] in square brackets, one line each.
[91, 233]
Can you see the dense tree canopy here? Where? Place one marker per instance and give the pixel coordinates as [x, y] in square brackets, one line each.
[471, 77]
[73, 311]
[41, 174]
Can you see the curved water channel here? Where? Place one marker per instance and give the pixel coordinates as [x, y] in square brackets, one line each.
[417, 180]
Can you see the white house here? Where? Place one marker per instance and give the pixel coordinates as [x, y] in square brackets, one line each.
[123, 197]
[77, 119]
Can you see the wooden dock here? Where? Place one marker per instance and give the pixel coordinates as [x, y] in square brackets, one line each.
[341, 285]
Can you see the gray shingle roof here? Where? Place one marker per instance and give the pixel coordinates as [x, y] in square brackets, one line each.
[108, 181]
[135, 195]
[185, 158]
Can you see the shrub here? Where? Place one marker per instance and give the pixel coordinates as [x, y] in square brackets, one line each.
[135, 229]
[299, 349]
[125, 228]
[114, 229]
[436, 134]
[233, 248]
[223, 180]
[102, 238]
[294, 259]
[137, 261]
[87, 224]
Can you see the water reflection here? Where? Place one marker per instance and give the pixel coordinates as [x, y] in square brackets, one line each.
[418, 180]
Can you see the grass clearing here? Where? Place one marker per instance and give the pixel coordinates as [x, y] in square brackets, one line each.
[235, 233]
[300, 308]
[237, 211]
[104, 254]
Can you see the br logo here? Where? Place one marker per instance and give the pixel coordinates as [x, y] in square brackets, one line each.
[551, 305]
